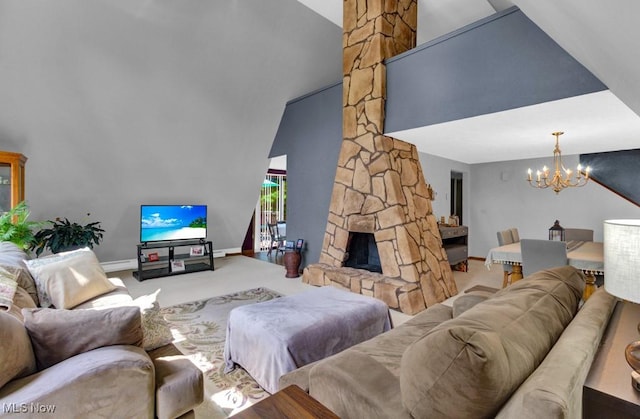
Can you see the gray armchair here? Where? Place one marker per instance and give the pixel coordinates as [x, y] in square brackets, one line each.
[542, 254]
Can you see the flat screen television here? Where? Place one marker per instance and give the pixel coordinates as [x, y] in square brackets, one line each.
[172, 222]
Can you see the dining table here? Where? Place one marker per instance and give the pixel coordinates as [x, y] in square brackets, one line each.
[585, 255]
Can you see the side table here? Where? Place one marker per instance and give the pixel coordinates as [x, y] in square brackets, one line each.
[607, 391]
[290, 402]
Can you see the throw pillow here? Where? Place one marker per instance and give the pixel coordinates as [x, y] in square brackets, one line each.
[60, 334]
[21, 300]
[155, 329]
[24, 280]
[8, 287]
[16, 355]
[69, 278]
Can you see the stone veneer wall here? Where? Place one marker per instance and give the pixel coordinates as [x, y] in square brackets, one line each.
[379, 186]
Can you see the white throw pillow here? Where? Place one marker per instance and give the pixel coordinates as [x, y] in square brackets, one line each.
[70, 278]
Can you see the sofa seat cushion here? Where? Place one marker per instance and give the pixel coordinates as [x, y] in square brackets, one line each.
[470, 365]
[16, 356]
[109, 382]
[60, 334]
[179, 383]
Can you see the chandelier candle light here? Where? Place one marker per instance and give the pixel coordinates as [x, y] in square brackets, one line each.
[558, 182]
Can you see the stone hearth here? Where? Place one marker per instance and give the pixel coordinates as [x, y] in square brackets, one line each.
[379, 186]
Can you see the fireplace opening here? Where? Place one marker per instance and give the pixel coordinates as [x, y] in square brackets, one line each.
[362, 252]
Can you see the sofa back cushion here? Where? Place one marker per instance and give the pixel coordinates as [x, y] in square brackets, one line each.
[58, 334]
[470, 365]
[16, 356]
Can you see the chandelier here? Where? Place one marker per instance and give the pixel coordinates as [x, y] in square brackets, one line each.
[558, 181]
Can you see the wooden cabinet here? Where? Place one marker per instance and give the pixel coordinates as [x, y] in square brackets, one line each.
[455, 243]
[11, 179]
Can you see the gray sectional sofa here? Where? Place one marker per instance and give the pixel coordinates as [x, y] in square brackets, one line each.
[523, 352]
[100, 358]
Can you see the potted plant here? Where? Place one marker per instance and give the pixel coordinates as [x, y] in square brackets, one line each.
[15, 228]
[64, 235]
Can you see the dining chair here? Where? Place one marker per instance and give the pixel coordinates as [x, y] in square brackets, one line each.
[505, 237]
[278, 241]
[282, 229]
[542, 254]
[515, 235]
[579, 234]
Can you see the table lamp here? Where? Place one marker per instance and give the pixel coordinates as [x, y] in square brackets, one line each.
[622, 275]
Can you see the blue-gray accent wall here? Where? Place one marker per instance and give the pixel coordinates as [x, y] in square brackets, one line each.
[501, 62]
[310, 134]
[617, 171]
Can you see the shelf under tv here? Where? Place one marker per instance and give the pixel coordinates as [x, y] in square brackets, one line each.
[148, 269]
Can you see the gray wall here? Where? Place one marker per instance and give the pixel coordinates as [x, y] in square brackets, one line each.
[118, 103]
[310, 134]
[437, 172]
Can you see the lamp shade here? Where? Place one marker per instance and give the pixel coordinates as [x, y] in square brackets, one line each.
[622, 259]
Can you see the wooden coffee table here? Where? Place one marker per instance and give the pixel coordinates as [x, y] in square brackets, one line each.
[290, 402]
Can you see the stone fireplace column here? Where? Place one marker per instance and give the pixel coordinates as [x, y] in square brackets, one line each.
[379, 186]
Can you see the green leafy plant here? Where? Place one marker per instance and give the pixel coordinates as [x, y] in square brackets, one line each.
[15, 228]
[64, 235]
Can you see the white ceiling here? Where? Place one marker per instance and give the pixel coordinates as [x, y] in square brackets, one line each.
[602, 36]
[591, 123]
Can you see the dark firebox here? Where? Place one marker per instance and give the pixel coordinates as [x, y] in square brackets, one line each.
[362, 252]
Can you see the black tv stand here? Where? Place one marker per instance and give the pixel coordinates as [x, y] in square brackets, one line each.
[172, 262]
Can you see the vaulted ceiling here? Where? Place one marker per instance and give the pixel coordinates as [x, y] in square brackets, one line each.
[602, 36]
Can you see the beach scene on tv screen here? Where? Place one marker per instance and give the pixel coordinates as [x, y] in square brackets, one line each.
[173, 222]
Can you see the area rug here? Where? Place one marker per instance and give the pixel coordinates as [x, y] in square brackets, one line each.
[199, 330]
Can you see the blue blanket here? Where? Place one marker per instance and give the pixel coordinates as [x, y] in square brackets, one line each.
[272, 338]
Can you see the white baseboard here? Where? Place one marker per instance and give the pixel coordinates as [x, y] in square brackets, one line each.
[128, 264]
[119, 265]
